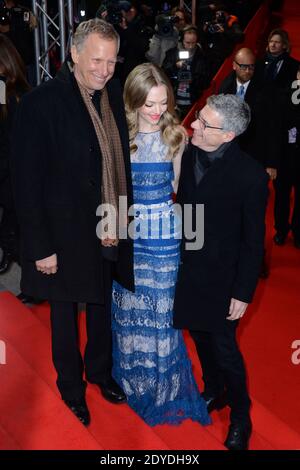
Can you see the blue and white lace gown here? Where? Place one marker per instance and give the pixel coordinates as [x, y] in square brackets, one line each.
[150, 360]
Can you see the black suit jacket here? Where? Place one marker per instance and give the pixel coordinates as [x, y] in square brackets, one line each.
[57, 178]
[263, 137]
[285, 76]
[234, 194]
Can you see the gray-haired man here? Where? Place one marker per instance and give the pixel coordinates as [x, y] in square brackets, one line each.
[70, 154]
[216, 283]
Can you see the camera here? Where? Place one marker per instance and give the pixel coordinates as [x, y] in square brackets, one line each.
[165, 24]
[5, 16]
[183, 55]
[214, 28]
[110, 11]
[184, 75]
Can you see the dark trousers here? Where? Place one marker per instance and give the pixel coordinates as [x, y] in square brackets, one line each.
[288, 177]
[223, 368]
[67, 359]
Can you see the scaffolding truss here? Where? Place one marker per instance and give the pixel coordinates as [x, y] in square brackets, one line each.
[190, 7]
[51, 32]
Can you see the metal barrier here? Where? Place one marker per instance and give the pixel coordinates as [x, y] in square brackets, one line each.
[51, 31]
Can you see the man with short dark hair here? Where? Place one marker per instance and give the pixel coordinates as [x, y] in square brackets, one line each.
[217, 282]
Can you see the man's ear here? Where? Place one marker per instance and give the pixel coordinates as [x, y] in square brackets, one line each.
[228, 136]
[74, 54]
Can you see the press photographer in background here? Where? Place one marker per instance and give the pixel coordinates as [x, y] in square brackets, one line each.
[219, 36]
[166, 36]
[18, 23]
[187, 67]
[135, 35]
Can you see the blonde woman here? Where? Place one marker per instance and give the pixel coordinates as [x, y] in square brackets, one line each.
[150, 358]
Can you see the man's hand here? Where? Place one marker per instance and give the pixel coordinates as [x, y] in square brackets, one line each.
[179, 64]
[237, 309]
[272, 172]
[47, 265]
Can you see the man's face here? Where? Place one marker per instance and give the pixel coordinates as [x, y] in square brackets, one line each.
[180, 23]
[205, 137]
[244, 66]
[95, 62]
[190, 41]
[275, 45]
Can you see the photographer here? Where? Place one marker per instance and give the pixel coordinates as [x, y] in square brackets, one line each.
[220, 35]
[134, 34]
[17, 23]
[165, 38]
[187, 68]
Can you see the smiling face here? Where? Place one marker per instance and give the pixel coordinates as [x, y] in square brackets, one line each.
[94, 64]
[206, 138]
[155, 105]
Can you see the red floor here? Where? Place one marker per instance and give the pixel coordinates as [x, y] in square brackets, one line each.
[32, 415]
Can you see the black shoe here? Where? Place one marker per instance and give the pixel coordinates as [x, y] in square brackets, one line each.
[279, 239]
[28, 299]
[112, 392]
[215, 403]
[238, 436]
[6, 261]
[80, 410]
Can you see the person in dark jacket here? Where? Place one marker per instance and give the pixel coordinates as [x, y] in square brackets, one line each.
[262, 139]
[277, 68]
[71, 154]
[286, 213]
[189, 75]
[217, 278]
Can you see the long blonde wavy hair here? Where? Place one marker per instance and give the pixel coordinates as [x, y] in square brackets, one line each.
[138, 84]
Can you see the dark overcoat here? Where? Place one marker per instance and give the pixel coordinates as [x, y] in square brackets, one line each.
[234, 193]
[263, 137]
[56, 163]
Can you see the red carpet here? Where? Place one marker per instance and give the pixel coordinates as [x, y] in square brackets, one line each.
[32, 415]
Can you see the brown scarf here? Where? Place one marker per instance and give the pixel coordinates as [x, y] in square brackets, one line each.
[113, 168]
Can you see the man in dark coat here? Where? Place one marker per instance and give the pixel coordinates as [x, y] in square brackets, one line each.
[189, 76]
[60, 178]
[278, 70]
[217, 282]
[263, 137]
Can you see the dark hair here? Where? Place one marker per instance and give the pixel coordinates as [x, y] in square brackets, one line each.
[13, 69]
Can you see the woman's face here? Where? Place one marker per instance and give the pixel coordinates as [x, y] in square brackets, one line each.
[155, 105]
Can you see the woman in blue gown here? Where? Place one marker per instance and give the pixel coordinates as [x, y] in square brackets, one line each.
[150, 360]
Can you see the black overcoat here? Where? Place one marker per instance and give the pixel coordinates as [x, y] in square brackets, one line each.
[263, 137]
[234, 193]
[56, 163]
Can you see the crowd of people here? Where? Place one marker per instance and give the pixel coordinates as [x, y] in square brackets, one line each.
[78, 147]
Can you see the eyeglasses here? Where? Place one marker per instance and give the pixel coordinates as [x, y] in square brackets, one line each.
[204, 123]
[245, 66]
